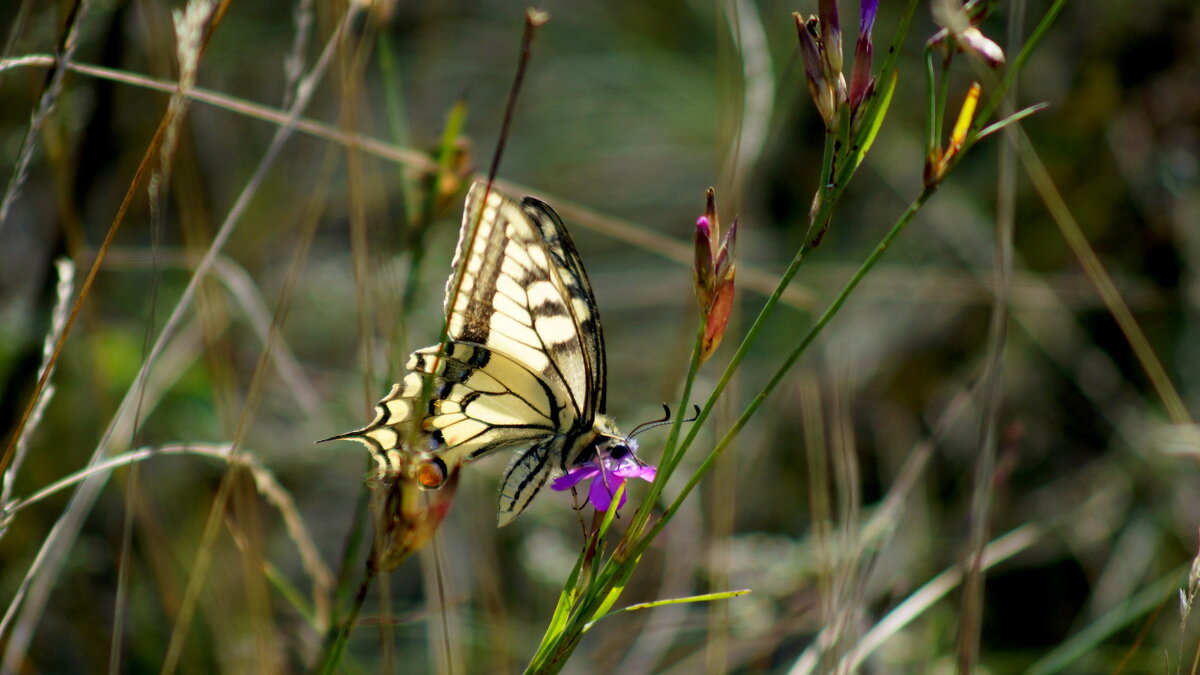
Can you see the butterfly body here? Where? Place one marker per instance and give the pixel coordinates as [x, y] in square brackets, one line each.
[522, 365]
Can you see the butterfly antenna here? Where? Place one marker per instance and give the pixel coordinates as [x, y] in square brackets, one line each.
[646, 426]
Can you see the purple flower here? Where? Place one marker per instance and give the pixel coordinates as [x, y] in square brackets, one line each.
[608, 470]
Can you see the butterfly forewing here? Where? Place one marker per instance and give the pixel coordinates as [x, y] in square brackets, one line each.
[522, 292]
[578, 294]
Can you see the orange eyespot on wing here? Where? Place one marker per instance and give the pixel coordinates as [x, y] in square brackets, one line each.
[432, 474]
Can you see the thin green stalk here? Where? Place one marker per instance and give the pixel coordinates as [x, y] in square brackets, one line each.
[600, 597]
[620, 570]
[893, 52]
[832, 311]
[669, 456]
[1172, 402]
[824, 210]
[1085, 641]
[934, 120]
[822, 213]
[1018, 64]
[561, 638]
[339, 634]
[823, 189]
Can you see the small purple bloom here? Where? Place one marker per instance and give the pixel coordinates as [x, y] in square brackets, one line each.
[866, 16]
[608, 471]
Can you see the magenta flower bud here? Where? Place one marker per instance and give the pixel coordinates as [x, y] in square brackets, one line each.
[716, 319]
[714, 274]
[704, 273]
[862, 83]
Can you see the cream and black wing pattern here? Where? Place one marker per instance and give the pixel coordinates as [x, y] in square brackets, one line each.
[522, 366]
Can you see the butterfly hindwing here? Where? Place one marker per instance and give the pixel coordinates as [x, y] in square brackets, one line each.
[527, 473]
[477, 401]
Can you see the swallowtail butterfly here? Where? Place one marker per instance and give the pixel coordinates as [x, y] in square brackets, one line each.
[522, 365]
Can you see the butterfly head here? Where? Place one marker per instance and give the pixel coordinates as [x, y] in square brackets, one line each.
[607, 443]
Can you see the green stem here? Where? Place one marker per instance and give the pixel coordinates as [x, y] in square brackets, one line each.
[823, 213]
[553, 647]
[557, 645]
[934, 125]
[669, 459]
[832, 311]
[823, 190]
[339, 634]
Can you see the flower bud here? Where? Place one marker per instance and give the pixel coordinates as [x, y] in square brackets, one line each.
[714, 275]
[823, 89]
[936, 161]
[704, 273]
[862, 83]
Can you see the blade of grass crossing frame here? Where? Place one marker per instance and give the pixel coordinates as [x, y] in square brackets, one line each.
[874, 120]
[707, 597]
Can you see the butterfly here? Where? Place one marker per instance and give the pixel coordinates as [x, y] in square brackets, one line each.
[522, 365]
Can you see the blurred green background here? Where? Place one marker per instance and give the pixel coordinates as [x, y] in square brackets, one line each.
[629, 109]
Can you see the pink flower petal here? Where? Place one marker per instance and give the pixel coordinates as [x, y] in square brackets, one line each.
[599, 495]
[573, 477]
[635, 470]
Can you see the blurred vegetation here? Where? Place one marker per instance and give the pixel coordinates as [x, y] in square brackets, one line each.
[630, 110]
